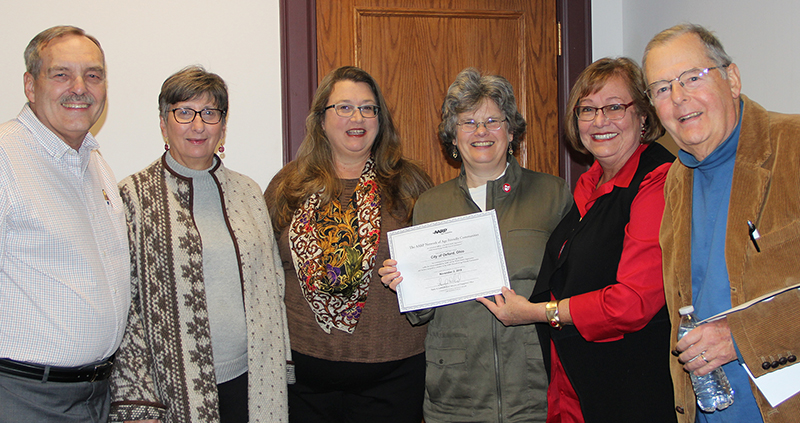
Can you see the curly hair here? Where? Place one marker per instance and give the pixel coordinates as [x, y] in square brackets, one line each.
[467, 93]
[401, 180]
[593, 79]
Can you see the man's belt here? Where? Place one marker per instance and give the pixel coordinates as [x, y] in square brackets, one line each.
[88, 373]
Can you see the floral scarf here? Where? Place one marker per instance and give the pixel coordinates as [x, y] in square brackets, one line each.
[334, 249]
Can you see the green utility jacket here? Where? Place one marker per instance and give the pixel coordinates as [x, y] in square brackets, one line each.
[479, 370]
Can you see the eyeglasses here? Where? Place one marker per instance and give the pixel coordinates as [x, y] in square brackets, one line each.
[185, 115]
[690, 80]
[471, 126]
[611, 111]
[347, 110]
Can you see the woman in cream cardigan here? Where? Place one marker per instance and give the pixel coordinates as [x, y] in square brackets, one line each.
[207, 339]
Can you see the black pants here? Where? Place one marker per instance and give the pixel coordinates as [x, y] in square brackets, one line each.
[342, 392]
[233, 400]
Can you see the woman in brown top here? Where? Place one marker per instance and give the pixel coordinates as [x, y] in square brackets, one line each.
[357, 359]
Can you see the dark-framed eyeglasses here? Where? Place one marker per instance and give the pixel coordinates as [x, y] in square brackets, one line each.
[186, 115]
[491, 124]
[611, 111]
[346, 110]
[690, 80]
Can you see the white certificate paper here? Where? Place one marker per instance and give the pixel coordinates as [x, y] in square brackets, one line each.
[449, 261]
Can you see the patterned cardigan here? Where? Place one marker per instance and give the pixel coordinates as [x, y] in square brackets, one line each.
[165, 368]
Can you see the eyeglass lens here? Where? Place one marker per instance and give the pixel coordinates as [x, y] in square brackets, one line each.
[347, 110]
[689, 80]
[611, 111]
[472, 126]
[186, 115]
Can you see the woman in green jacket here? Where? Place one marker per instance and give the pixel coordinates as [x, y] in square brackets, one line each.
[479, 370]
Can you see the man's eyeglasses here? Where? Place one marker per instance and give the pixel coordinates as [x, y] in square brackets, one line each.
[185, 115]
[491, 124]
[611, 111]
[690, 80]
[347, 110]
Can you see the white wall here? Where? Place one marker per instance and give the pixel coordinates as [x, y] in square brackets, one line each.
[761, 37]
[238, 39]
[242, 45]
[607, 34]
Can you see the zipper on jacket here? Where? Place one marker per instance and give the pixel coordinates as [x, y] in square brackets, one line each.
[497, 372]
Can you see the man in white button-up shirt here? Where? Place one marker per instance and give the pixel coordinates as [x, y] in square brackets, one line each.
[64, 261]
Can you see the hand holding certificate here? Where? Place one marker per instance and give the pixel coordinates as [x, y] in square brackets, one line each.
[449, 261]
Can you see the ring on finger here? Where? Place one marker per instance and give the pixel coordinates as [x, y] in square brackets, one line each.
[702, 355]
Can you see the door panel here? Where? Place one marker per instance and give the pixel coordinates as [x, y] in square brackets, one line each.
[414, 49]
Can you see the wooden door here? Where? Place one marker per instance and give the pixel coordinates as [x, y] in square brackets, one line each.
[415, 48]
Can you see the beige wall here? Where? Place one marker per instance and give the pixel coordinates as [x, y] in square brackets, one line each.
[238, 39]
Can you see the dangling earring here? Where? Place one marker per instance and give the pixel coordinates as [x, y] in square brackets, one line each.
[644, 131]
[455, 152]
[221, 150]
[510, 149]
[166, 145]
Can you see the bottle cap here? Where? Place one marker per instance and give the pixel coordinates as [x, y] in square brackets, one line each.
[686, 310]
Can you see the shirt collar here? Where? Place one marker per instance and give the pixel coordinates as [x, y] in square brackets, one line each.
[54, 145]
[587, 191]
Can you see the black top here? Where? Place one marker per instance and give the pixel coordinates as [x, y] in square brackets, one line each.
[625, 380]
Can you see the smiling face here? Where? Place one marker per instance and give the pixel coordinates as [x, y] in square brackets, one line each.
[611, 142]
[351, 138]
[69, 94]
[483, 152]
[700, 120]
[193, 144]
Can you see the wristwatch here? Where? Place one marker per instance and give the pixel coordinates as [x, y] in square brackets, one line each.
[551, 313]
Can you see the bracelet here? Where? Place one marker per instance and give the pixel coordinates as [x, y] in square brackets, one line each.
[551, 313]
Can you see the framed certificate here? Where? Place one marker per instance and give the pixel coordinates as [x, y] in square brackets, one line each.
[449, 261]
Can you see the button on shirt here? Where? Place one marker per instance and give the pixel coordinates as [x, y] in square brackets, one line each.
[64, 260]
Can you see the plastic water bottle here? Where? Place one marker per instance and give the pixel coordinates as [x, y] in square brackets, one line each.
[713, 391]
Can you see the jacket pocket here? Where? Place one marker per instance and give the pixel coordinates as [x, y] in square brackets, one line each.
[536, 373]
[446, 356]
[776, 265]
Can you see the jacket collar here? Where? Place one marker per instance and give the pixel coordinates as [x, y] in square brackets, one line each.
[503, 185]
[751, 176]
[754, 152]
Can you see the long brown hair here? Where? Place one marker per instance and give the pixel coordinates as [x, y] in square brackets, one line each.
[401, 181]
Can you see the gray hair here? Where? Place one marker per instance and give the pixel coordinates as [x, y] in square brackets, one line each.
[467, 92]
[33, 53]
[191, 82]
[714, 50]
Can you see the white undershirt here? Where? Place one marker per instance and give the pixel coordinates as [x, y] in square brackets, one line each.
[478, 193]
